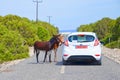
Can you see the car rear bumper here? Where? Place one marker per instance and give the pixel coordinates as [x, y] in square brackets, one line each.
[81, 58]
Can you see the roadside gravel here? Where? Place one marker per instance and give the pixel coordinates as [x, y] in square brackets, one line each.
[113, 54]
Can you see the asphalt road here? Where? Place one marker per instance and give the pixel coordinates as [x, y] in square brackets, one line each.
[29, 70]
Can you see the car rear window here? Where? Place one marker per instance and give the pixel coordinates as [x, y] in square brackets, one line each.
[81, 38]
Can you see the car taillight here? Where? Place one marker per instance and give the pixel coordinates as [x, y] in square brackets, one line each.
[66, 43]
[65, 55]
[96, 42]
[97, 54]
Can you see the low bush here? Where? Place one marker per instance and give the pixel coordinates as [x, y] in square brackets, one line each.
[114, 44]
[43, 34]
[12, 46]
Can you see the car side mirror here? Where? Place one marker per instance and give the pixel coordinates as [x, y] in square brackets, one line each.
[102, 42]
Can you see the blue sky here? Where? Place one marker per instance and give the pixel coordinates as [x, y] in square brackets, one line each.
[66, 14]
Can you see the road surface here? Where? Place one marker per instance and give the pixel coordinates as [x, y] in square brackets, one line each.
[29, 70]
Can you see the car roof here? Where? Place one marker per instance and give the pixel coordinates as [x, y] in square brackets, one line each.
[87, 33]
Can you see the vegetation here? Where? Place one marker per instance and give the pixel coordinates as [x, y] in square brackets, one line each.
[17, 34]
[108, 31]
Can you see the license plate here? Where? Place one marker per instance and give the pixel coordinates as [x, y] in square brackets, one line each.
[81, 47]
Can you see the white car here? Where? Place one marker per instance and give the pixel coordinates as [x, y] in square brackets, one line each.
[82, 46]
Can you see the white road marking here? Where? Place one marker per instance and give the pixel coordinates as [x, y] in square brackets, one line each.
[62, 70]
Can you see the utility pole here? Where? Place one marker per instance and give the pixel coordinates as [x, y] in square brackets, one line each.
[49, 17]
[37, 2]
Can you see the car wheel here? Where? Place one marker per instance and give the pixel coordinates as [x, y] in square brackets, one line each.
[98, 62]
[64, 62]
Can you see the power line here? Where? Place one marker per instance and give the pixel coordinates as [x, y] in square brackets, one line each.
[37, 2]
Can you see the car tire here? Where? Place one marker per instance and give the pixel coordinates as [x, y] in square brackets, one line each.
[98, 62]
[64, 62]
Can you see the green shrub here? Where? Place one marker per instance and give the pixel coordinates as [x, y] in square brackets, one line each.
[113, 44]
[28, 31]
[43, 34]
[12, 45]
[107, 39]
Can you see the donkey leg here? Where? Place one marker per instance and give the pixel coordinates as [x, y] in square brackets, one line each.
[37, 54]
[45, 56]
[50, 57]
[55, 56]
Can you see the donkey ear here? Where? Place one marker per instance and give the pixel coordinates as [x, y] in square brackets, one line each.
[59, 34]
[53, 35]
